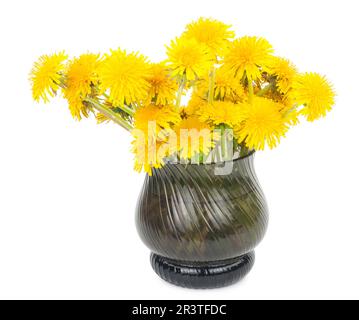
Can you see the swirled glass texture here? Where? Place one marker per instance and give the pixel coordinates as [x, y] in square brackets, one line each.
[188, 212]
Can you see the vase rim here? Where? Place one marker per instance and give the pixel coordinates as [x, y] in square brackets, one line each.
[239, 158]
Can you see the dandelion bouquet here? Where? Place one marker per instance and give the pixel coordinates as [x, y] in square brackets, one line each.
[238, 95]
[216, 98]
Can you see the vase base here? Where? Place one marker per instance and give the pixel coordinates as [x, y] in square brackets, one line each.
[202, 275]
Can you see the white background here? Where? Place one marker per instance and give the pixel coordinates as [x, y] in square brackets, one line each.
[68, 191]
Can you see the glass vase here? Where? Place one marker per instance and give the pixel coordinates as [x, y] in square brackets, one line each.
[202, 225]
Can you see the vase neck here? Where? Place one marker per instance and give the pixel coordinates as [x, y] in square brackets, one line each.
[240, 166]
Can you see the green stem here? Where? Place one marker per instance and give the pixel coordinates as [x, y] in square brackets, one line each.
[115, 117]
[243, 151]
[223, 142]
[250, 89]
[263, 91]
[212, 75]
[125, 108]
[218, 156]
[201, 158]
[180, 91]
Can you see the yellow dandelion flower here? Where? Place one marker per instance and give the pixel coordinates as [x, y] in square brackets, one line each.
[248, 54]
[45, 76]
[212, 33]
[162, 87]
[152, 124]
[284, 71]
[222, 112]
[225, 86]
[187, 57]
[154, 118]
[262, 124]
[315, 93]
[81, 79]
[148, 154]
[82, 73]
[77, 108]
[193, 137]
[125, 76]
[195, 104]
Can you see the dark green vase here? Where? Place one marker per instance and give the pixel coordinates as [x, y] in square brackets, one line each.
[200, 224]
